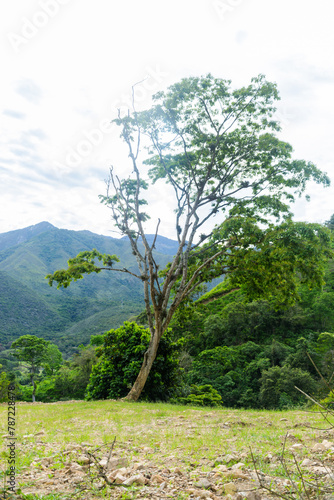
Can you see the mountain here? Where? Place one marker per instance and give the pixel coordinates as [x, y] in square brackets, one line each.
[67, 317]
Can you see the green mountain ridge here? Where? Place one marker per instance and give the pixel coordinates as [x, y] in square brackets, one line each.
[68, 317]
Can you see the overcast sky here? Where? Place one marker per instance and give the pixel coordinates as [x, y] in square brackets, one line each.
[67, 65]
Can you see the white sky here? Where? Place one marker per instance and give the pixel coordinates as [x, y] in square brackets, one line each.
[67, 65]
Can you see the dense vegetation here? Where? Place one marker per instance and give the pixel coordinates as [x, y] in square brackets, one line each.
[219, 350]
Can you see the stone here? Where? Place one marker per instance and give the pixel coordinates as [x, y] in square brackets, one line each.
[306, 462]
[229, 458]
[230, 489]
[235, 474]
[296, 447]
[220, 468]
[283, 419]
[83, 460]
[249, 495]
[139, 466]
[203, 494]
[327, 444]
[137, 479]
[239, 465]
[318, 447]
[40, 433]
[203, 483]
[119, 479]
[117, 462]
[156, 478]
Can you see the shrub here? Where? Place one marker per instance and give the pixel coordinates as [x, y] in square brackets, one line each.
[121, 357]
[200, 395]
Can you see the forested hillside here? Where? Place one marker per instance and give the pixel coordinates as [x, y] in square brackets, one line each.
[68, 317]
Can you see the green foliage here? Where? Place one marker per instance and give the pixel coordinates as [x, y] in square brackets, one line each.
[4, 383]
[278, 386]
[120, 359]
[264, 262]
[83, 263]
[200, 395]
[233, 371]
[31, 349]
[53, 359]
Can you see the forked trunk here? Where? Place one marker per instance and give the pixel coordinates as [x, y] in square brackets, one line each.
[145, 369]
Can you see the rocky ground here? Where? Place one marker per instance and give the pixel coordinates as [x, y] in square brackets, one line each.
[161, 451]
[83, 467]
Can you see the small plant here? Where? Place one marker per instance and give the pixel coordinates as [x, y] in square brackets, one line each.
[201, 395]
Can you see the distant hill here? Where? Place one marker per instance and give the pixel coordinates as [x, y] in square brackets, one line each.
[67, 317]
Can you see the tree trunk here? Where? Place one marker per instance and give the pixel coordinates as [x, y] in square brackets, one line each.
[33, 389]
[145, 369]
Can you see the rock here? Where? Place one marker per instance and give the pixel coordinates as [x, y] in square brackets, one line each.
[74, 468]
[320, 470]
[70, 447]
[230, 489]
[119, 479]
[40, 433]
[283, 419]
[327, 444]
[229, 458]
[318, 447]
[203, 483]
[235, 474]
[296, 447]
[249, 495]
[137, 479]
[117, 462]
[156, 478]
[306, 462]
[103, 462]
[220, 468]
[83, 460]
[203, 494]
[139, 466]
[114, 463]
[239, 465]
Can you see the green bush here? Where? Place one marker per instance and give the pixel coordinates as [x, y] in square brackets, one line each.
[200, 395]
[121, 357]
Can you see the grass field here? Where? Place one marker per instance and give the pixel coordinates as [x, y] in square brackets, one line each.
[175, 448]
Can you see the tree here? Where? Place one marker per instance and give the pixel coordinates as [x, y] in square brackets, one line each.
[53, 359]
[217, 149]
[32, 350]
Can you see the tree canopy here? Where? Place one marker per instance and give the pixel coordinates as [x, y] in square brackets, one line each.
[33, 350]
[218, 149]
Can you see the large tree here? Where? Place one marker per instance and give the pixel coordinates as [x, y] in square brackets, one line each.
[218, 150]
[34, 351]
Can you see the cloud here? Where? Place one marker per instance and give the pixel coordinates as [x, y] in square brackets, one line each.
[29, 90]
[14, 114]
